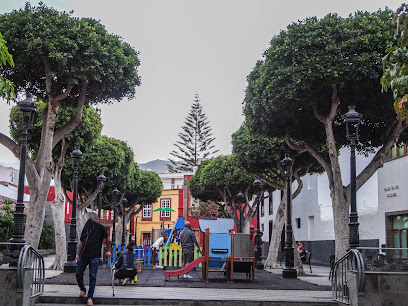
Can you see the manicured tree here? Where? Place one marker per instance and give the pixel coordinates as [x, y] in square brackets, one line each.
[195, 140]
[296, 91]
[262, 156]
[395, 64]
[219, 180]
[84, 135]
[63, 61]
[6, 86]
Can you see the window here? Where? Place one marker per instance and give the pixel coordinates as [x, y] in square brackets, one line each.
[262, 208]
[262, 227]
[298, 222]
[172, 183]
[310, 227]
[165, 204]
[147, 211]
[270, 200]
[399, 233]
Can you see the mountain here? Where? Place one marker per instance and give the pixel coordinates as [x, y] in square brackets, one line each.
[157, 165]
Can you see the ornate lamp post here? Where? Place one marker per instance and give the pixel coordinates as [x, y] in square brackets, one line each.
[289, 270]
[27, 107]
[257, 189]
[70, 265]
[115, 193]
[101, 179]
[353, 120]
[240, 201]
[124, 203]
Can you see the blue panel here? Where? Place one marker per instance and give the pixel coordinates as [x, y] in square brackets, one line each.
[216, 225]
[180, 223]
[219, 245]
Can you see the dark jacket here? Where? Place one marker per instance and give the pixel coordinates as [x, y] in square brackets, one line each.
[126, 261]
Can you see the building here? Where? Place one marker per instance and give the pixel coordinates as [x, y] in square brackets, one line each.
[381, 207]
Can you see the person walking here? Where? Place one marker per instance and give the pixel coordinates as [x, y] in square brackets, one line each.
[125, 266]
[188, 240]
[89, 252]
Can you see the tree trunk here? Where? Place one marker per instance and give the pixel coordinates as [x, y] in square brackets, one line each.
[58, 210]
[274, 241]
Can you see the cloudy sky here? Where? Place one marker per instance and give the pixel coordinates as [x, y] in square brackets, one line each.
[186, 47]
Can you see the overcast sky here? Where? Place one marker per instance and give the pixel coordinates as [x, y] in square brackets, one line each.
[186, 47]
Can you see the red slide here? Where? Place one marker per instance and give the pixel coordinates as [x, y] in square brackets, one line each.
[184, 270]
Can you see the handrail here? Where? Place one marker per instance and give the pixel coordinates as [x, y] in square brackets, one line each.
[30, 260]
[351, 261]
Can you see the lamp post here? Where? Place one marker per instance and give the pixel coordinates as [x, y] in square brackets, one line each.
[240, 201]
[115, 193]
[257, 189]
[27, 107]
[289, 270]
[353, 120]
[70, 265]
[124, 203]
[101, 179]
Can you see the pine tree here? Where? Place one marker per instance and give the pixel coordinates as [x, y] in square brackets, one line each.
[195, 140]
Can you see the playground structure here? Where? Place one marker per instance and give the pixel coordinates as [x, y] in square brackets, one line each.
[223, 251]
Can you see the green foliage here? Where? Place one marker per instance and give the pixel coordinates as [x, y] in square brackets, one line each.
[74, 49]
[262, 156]
[218, 175]
[6, 86]
[47, 239]
[144, 187]
[195, 140]
[395, 64]
[310, 62]
[6, 221]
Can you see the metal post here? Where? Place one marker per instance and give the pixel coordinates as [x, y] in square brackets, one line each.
[70, 265]
[18, 226]
[27, 107]
[353, 120]
[115, 193]
[289, 270]
[259, 263]
[354, 238]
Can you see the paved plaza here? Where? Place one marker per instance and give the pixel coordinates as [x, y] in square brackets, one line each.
[268, 287]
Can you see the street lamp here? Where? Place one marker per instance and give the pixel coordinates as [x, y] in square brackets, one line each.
[240, 201]
[101, 179]
[258, 189]
[289, 270]
[353, 120]
[70, 265]
[27, 109]
[124, 203]
[115, 193]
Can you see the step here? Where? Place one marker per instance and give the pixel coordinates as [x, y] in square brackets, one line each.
[105, 301]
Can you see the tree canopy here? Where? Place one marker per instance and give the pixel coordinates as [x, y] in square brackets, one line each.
[6, 86]
[195, 140]
[310, 74]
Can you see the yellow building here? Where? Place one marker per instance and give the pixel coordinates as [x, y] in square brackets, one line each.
[149, 220]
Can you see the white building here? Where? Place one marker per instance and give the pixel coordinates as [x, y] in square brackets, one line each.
[381, 207]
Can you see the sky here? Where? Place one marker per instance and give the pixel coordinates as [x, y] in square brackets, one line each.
[188, 47]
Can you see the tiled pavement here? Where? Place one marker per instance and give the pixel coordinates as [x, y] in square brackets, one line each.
[268, 286]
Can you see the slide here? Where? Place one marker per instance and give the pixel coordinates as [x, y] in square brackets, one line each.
[187, 268]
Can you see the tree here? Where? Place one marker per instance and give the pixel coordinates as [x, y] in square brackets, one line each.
[195, 140]
[219, 180]
[84, 136]
[6, 86]
[295, 92]
[395, 64]
[262, 156]
[63, 61]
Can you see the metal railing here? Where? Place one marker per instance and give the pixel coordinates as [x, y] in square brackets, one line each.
[352, 261]
[31, 264]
